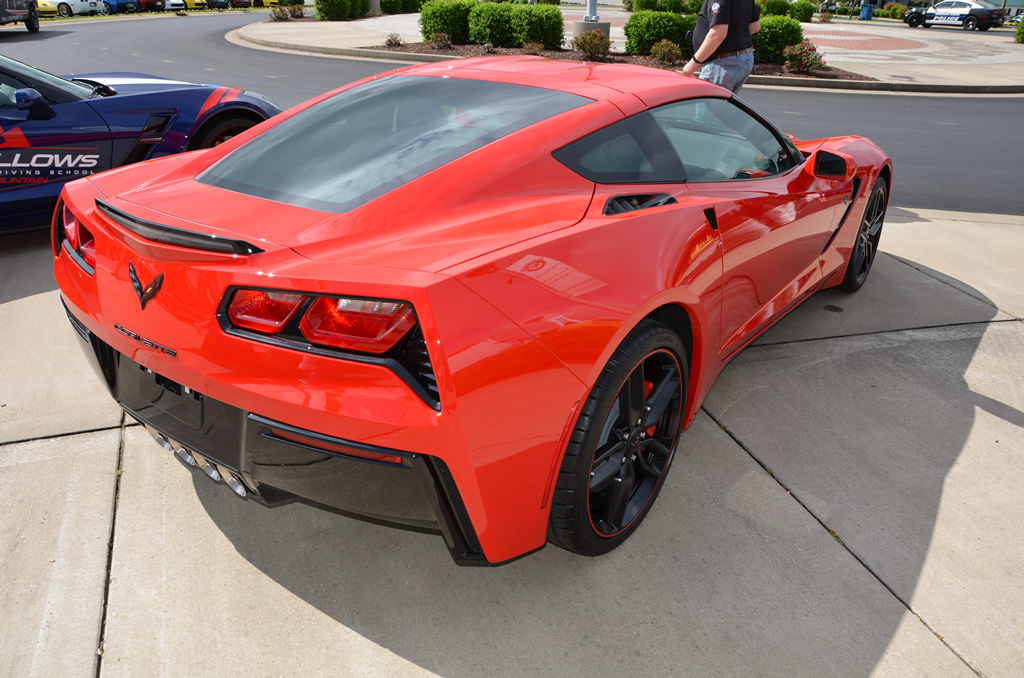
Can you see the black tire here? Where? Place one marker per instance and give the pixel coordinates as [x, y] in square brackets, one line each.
[107, 10]
[970, 23]
[613, 471]
[865, 247]
[32, 22]
[64, 9]
[914, 21]
[222, 130]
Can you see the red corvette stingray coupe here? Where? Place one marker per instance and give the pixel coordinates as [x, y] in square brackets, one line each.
[482, 297]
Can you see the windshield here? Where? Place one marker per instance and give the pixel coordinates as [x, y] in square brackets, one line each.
[33, 77]
[371, 139]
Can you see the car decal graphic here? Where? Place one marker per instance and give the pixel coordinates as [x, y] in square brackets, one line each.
[21, 165]
[113, 82]
[212, 100]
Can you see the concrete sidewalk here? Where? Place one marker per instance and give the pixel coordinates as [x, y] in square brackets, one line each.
[941, 60]
[846, 504]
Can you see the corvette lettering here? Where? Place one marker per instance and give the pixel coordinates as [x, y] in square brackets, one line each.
[145, 342]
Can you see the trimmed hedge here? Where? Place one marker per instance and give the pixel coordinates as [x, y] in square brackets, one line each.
[777, 33]
[391, 6]
[1019, 35]
[693, 6]
[843, 11]
[776, 8]
[802, 11]
[897, 12]
[645, 28]
[450, 17]
[506, 25]
[675, 6]
[645, 5]
[331, 10]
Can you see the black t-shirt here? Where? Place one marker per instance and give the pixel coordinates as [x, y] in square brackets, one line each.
[737, 14]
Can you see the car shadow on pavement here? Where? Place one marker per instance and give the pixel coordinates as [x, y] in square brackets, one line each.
[45, 33]
[26, 265]
[806, 569]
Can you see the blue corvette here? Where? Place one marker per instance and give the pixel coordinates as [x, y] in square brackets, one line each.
[53, 129]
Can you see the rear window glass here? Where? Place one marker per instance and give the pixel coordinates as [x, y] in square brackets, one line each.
[371, 139]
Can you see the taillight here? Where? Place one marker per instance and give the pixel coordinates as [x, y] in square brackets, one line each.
[80, 240]
[263, 311]
[357, 324]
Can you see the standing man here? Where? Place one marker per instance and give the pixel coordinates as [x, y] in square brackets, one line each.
[722, 43]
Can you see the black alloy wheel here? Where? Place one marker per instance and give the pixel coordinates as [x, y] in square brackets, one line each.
[866, 246]
[623, 443]
[970, 23]
[221, 132]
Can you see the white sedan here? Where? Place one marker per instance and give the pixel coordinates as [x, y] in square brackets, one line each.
[66, 8]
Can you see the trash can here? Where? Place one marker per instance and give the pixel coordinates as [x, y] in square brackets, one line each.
[866, 11]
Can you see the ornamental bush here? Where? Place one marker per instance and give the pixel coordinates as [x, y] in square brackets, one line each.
[1019, 35]
[675, 6]
[693, 6]
[843, 11]
[537, 23]
[802, 10]
[391, 6]
[667, 52]
[491, 22]
[645, 5]
[411, 6]
[549, 2]
[646, 28]
[880, 13]
[450, 17]
[331, 10]
[776, 8]
[777, 33]
[594, 44]
[761, 11]
[897, 12]
[802, 58]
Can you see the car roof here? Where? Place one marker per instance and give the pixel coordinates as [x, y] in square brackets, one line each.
[652, 86]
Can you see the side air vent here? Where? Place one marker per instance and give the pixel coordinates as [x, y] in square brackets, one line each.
[149, 138]
[176, 236]
[631, 203]
[413, 356]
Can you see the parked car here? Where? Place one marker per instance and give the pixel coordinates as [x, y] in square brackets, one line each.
[482, 297]
[195, 4]
[68, 8]
[54, 129]
[20, 12]
[229, 4]
[152, 5]
[47, 8]
[120, 7]
[966, 14]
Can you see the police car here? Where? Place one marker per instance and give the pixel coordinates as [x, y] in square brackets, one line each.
[968, 14]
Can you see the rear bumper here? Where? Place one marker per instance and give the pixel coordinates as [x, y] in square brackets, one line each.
[274, 463]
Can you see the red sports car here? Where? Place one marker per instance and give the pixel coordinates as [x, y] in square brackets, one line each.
[480, 297]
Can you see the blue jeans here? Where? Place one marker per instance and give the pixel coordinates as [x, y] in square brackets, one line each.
[730, 72]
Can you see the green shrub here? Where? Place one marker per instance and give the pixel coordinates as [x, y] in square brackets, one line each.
[537, 23]
[646, 28]
[667, 52]
[411, 6]
[843, 11]
[777, 33]
[364, 7]
[594, 44]
[803, 57]
[1019, 35]
[491, 22]
[549, 2]
[802, 11]
[776, 8]
[446, 16]
[880, 13]
[627, 5]
[675, 6]
[645, 5]
[331, 10]
[897, 12]
[391, 6]
[693, 6]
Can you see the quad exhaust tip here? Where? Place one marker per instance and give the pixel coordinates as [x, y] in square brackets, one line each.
[210, 470]
[186, 457]
[236, 485]
[197, 461]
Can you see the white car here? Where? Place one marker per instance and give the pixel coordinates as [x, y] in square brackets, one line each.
[175, 5]
[66, 8]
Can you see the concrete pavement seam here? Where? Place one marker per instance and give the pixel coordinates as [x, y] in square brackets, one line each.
[54, 436]
[832, 533]
[110, 548]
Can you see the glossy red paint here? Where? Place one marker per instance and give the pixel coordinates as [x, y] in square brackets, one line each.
[521, 285]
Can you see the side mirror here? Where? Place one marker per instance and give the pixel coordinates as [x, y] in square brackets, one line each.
[832, 166]
[32, 101]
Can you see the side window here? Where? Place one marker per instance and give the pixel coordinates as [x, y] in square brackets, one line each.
[716, 140]
[944, 5]
[631, 151]
[8, 85]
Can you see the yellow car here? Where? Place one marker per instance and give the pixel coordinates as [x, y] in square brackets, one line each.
[47, 9]
[264, 3]
[195, 4]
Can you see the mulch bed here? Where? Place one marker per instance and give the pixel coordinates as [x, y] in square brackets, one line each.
[823, 73]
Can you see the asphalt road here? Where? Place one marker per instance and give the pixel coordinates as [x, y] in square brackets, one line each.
[956, 153]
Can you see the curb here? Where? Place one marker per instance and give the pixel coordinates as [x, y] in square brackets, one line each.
[767, 80]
